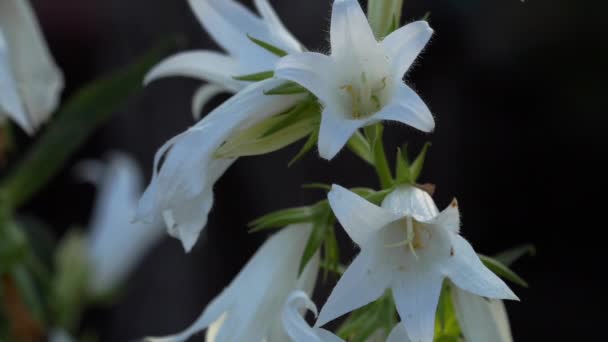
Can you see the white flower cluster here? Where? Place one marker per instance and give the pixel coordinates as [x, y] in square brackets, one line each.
[407, 245]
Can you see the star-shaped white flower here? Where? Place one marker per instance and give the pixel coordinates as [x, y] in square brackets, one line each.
[360, 83]
[181, 189]
[30, 81]
[408, 246]
[249, 309]
[115, 243]
[229, 23]
[481, 319]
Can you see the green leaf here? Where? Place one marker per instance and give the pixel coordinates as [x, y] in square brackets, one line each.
[418, 164]
[287, 88]
[320, 186]
[308, 145]
[360, 146]
[83, 113]
[267, 46]
[28, 291]
[508, 257]
[258, 76]
[502, 271]
[281, 218]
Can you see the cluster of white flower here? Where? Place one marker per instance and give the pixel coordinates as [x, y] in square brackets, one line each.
[406, 244]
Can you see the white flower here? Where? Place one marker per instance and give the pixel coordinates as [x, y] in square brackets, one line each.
[296, 327]
[408, 246]
[249, 308]
[361, 82]
[182, 190]
[115, 244]
[229, 24]
[481, 319]
[30, 81]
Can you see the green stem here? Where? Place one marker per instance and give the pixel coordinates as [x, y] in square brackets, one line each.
[380, 162]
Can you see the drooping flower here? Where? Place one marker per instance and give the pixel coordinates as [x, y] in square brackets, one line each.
[230, 24]
[481, 319]
[408, 246]
[249, 308]
[181, 189]
[360, 83]
[30, 81]
[115, 244]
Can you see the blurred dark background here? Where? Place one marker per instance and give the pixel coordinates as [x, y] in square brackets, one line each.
[519, 97]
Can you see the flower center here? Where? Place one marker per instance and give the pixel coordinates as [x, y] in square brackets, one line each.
[416, 235]
[366, 96]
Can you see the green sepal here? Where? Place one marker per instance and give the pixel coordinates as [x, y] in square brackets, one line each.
[288, 88]
[29, 292]
[509, 256]
[303, 110]
[308, 145]
[359, 145]
[418, 164]
[402, 167]
[319, 186]
[256, 77]
[331, 256]
[321, 224]
[366, 321]
[502, 270]
[426, 16]
[446, 322]
[282, 218]
[268, 47]
[82, 114]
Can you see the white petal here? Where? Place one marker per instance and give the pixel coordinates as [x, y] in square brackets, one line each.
[311, 70]
[360, 218]
[449, 218]
[308, 277]
[335, 131]
[411, 201]
[39, 79]
[350, 33]
[416, 296]
[363, 282]
[467, 272]
[405, 44]
[214, 329]
[203, 95]
[296, 327]
[184, 182]
[10, 101]
[205, 65]
[408, 108]
[275, 25]
[398, 334]
[115, 244]
[481, 319]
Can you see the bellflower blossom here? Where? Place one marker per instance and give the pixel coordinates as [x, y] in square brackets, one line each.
[481, 319]
[249, 308]
[115, 244]
[229, 24]
[30, 81]
[360, 83]
[408, 246]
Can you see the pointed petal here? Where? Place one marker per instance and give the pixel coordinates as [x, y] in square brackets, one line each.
[405, 44]
[481, 319]
[203, 95]
[467, 272]
[10, 101]
[294, 324]
[350, 32]
[275, 25]
[398, 334]
[408, 108]
[363, 282]
[411, 201]
[39, 80]
[335, 131]
[416, 295]
[204, 65]
[449, 218]
[360, 218]
[312, 71]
